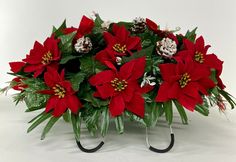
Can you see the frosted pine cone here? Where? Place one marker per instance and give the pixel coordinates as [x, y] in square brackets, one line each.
[83, 45]
[139, 25]
[166, 47]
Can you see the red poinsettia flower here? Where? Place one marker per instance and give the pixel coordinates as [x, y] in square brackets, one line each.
[85, 27]
[62, 96]
[42, 56]
[121, 87]
[18, 84]
[118, 45]
[185, 82]
[198, 52]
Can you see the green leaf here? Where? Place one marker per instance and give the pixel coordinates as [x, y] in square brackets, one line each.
[90, 66]
[75, 121]
[98, 21]
[66, 116]
[168, 111]
[144, 52]
[105, 121]
[39, 121]
[77, 79]
[191, 35]
[127, 25]
[66, 45]
[48, 127]
[58, 32]
[213, 76]
[67, 58]
[36, 117]
[119, 121]
[96, 102]
[202, 110]
[33, 99]
[181, 111]
[227, 96]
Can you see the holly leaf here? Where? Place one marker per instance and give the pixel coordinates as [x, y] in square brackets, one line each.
[144, 52]
[58, 32]
[90, 66]
[98, 21]
[67, 57]
[66, 45]
[191, 35]
[77, 79]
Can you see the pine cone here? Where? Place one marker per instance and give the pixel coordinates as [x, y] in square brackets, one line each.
[166, 47]
[83, 45]
[139, 25]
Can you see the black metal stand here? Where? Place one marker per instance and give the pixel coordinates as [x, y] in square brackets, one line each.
[89, 150]
[161, 150]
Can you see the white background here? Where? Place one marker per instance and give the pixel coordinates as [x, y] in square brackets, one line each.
[205, 139]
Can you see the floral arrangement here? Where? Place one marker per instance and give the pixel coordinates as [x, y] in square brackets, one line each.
[104, 71]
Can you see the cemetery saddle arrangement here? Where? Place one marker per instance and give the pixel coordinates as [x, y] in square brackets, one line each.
[105, 71]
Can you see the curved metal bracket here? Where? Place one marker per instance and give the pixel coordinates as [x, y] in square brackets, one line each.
[161, 150]
[89, 150]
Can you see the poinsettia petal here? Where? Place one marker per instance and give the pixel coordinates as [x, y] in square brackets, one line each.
[69, 30]
[16, 66]
[109, 39]
[117, 105]
[200, 44]
[133, 43]
[173, 90]
[136, 105]
[86, 25]
[162, 96]
[38, 72]
[188, 102]
[199, 72]
[73, 103]
[126, 70]
[168, 70]
[105, 90]
[59, 108]
[47, 91]
[51, 77]
[129, 90]
[151, 25]
[121, 33]
[51, 103]
[212, 61]
[103, 77]
[188, 44]
[104, 56]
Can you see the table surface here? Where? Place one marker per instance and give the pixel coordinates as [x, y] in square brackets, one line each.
[208, 139]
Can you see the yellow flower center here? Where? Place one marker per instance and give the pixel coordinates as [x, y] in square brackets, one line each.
[199, 57]
[119, 85]
[47, 58]
[184, 80]
[119, 48]
[59, 91]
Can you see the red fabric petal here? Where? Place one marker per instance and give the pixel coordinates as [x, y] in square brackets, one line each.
[136, 105]
[162, 96]
[51, 103]
[151, 25]
[105, 91]
[69, 30]
[51, 77]
[121, 33]
[117, 105]
[133, 43]
[200, 44]
[188, 44]
[73, 103]
[110, 39]
[102, 77]
[104, 56]
[60, 108]
[188, 102]
[86, 25]
[16, 66]
[139, 67]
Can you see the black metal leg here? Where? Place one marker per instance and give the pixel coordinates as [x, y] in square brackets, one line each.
[161, 150]
[89, 150]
